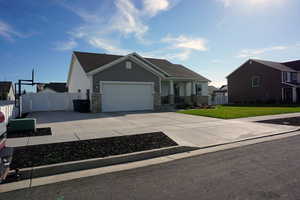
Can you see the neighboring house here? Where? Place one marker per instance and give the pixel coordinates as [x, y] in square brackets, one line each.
[132, 82]
[260, 81]
[211, 90]
[52, 87]
[7, 91]
[221, 95]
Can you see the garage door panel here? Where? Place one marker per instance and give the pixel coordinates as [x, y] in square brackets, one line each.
[127, 96]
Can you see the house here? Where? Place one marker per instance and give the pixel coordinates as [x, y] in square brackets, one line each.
[261, 81]
[52, 87]
[7, 91]
[221, 95]
[211, 90]
[132, 82]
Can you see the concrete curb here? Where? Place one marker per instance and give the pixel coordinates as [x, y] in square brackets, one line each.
[66, 167]
[142, 163]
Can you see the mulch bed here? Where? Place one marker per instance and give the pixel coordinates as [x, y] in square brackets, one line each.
[291, 121]
[45, 154]
[39, 132]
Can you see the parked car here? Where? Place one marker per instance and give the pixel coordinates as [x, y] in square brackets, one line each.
[5, 152]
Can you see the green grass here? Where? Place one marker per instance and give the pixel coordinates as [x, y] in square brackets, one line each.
[232, 112]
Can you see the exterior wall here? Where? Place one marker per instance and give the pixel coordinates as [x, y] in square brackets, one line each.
[199, 100]
[240, 88]
[11, 94]
[119, 72]
[78, 79]
[204, 86]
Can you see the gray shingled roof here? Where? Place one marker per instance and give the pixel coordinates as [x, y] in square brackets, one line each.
[295, 65]
[92, 61]
[57, 87]
[275, 65]
[5, 86]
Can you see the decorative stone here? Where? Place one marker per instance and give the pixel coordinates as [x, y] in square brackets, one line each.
[157, 101]
[96, 102]
[171, 99]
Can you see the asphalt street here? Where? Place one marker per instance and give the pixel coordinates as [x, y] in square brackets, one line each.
[268, 170]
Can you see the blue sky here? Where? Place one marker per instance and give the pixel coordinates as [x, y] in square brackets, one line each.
[212, 37]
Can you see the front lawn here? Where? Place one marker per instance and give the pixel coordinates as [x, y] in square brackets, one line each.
[232, 112]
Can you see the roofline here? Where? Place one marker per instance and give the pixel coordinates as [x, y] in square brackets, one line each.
[238, 68]
[150, 63]
[257, 61]
[186, 78]
[71, 67]
[130, 57]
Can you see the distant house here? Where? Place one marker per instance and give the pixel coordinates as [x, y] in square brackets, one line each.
[132, 82]
[52, 87]
[261, 81]
[221, 95]
[211, 89]
[7, 91]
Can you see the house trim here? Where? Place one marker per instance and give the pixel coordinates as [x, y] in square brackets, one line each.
[128, 57]
[149, 63]
[71, 69]
[185, 79]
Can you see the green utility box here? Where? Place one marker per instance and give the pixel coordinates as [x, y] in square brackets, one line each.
[25, 124]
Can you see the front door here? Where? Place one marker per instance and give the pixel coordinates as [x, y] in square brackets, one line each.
[288, 95]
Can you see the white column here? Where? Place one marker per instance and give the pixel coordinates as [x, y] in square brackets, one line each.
[171, 87]
[193, 88]
[294, 95]
[188, 89]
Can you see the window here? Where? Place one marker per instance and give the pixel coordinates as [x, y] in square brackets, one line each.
[79, 90]
[128, 65]
[255, 81]
[284, 77]
[294, 77]
[198, 89]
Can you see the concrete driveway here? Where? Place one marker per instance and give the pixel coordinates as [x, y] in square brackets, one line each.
[186, 130]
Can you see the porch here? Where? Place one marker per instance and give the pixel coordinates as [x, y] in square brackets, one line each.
[178, 92]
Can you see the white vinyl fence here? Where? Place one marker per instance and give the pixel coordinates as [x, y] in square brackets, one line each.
[33, 102]
[9, 109]
[220, 99]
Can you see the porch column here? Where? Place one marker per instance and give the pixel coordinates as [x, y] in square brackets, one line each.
[294, 95]
[193, 88]
[188, 93]
[171, 93]
[194, 97]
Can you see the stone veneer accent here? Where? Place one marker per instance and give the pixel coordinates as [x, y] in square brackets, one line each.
[157, 101]
[171, 99]
[188, 100]
[199, 100]
[96, 102]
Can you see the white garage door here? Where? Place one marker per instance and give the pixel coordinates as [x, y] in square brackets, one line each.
[127, 96]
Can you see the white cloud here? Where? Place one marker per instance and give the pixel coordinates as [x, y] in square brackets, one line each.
[7, 32]
[64, 46]
[127, 20]
[245, 53]
[152, 7]
[184, 46]
[107, 46]
[100, 27]
[184, 42]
